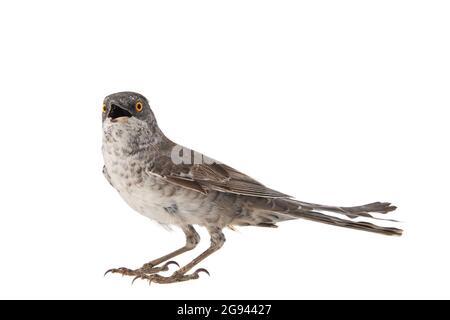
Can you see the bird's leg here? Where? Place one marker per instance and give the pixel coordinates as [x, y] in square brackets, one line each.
[192, 239]
[217, 241]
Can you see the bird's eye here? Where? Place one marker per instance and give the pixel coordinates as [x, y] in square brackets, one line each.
[104, 108]
[139, 106]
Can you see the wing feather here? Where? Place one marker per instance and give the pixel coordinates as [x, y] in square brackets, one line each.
[215, 176]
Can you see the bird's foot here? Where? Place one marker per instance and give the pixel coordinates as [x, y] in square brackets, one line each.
[175, 277]
[146, 269]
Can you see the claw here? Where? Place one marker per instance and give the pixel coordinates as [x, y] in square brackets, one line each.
[167, 264]
[202, 270]
[122, 271]
[177, 276]
[114, 270]
[134, 279]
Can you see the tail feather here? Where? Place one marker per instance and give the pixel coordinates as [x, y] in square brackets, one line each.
[287, 209]
[352, 212]
[365, 226]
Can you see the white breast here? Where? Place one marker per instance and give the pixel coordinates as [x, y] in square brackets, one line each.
[149, 194]
[142, 192]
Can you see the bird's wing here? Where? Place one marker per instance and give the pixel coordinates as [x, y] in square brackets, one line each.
[215, 176]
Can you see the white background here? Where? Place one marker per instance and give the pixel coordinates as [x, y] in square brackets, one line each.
[334, 102]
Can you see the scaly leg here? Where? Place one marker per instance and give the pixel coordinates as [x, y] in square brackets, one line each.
[192, 239]
[217, 241]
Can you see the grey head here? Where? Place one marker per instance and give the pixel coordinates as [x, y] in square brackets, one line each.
[122, 106]
[129, 124]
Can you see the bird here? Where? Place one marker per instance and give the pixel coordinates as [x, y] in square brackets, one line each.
[179, 187]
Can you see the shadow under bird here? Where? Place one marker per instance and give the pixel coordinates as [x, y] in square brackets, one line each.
[176, 186]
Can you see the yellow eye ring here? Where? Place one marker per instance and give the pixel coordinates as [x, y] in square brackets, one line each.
[139, 106]
[104, 108]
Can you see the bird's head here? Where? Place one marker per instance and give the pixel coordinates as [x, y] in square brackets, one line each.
[122, 107]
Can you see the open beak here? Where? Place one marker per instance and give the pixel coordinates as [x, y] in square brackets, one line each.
[117, 114]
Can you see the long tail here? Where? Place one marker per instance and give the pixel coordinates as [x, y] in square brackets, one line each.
[351, 212]
[310, 211]
[287, 209]
[366, 226]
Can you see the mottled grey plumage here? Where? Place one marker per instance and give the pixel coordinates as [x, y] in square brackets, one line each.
[193, 189]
